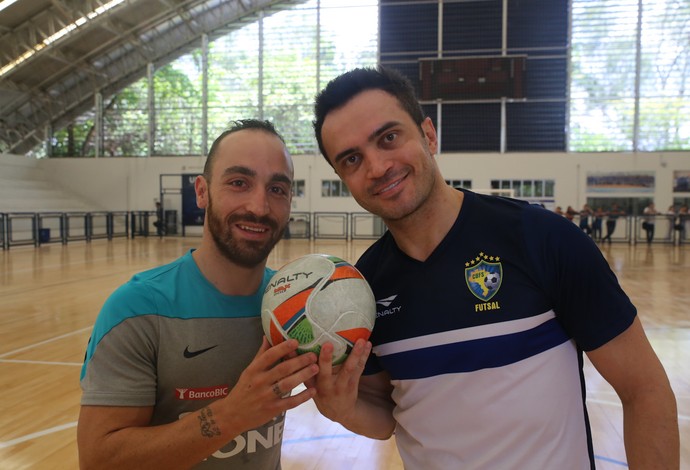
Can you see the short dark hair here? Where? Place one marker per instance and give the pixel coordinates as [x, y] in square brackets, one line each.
[236, 126]
[343, 88]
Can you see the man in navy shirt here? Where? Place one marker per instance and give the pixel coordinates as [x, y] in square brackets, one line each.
[485, 307]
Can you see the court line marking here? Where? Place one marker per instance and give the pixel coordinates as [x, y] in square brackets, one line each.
[45, 432]
[351, 435]
[62, 427]
[73, 424]
[50, 340]
[45, 363]
[289, 441]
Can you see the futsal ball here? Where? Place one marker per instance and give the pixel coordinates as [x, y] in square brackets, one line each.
[492, 280]
[317, 299]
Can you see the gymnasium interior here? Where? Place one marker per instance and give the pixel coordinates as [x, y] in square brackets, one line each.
[110, 107]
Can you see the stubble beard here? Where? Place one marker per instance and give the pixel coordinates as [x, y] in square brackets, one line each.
[245, 253]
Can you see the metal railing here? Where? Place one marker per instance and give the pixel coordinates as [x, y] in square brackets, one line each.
[40, 228]
[662, 228]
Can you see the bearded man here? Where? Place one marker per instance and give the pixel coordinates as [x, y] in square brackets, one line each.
[177, 372]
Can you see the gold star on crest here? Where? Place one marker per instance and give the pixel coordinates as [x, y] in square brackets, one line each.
[482, 257]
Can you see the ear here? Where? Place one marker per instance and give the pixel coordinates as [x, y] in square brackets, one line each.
[430, 135]
[201, 189]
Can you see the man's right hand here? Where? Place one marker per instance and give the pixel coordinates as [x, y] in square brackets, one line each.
[337, 387]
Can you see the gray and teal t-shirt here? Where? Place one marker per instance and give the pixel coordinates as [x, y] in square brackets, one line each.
[169, 339]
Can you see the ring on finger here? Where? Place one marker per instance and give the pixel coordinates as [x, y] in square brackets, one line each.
[277, 390]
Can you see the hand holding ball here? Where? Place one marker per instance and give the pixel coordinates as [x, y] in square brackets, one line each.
[317, 299]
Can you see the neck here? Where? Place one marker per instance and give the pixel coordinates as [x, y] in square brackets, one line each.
[418, 234]
[228, 277]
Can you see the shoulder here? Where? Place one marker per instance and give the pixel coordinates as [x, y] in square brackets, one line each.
[141, 294]
[513, 215]
[378, 250]
[161, 272]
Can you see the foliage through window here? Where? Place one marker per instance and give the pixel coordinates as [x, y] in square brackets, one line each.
[625, 97]
[627, 66]
[526, 189]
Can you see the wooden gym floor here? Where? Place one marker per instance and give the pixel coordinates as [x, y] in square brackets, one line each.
[51, 295]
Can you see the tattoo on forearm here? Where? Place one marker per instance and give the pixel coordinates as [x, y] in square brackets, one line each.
[209, 428]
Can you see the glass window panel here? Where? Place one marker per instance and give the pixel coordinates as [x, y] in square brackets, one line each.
[527, 189]
[233, 79]
[325, 188]
[298, 188]
[517, 187]
[538, 188]
[604, 69]
[335, 188]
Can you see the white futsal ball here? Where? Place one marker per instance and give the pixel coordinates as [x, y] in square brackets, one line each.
[317, 299]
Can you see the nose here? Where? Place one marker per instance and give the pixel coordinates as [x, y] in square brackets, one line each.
[257, 203]
[377, 164]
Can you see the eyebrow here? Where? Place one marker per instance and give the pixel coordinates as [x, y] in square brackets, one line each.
[281, 178]
[246, 171]
[243, 170]
[373, 136]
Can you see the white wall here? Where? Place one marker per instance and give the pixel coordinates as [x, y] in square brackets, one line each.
[133, 183]
[119, 183]
[569, 170]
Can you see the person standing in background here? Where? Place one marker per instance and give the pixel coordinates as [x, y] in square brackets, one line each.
[611, 217]
[585, 223]
[671, 214]
[648, 221]
[598, 219]
[159, 223]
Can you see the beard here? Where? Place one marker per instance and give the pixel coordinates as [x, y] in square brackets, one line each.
[245, 253]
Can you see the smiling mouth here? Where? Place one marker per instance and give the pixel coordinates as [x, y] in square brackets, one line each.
[389, 187]
[252, 229]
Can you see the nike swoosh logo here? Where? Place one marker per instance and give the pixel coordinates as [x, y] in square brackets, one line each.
[190, 354]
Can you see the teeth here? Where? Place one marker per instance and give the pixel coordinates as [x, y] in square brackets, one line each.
[389, 187]
[252, 229]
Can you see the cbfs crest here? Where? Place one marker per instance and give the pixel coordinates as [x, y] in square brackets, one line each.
[483, 276]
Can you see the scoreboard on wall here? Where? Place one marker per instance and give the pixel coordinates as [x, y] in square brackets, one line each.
[477, 77]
